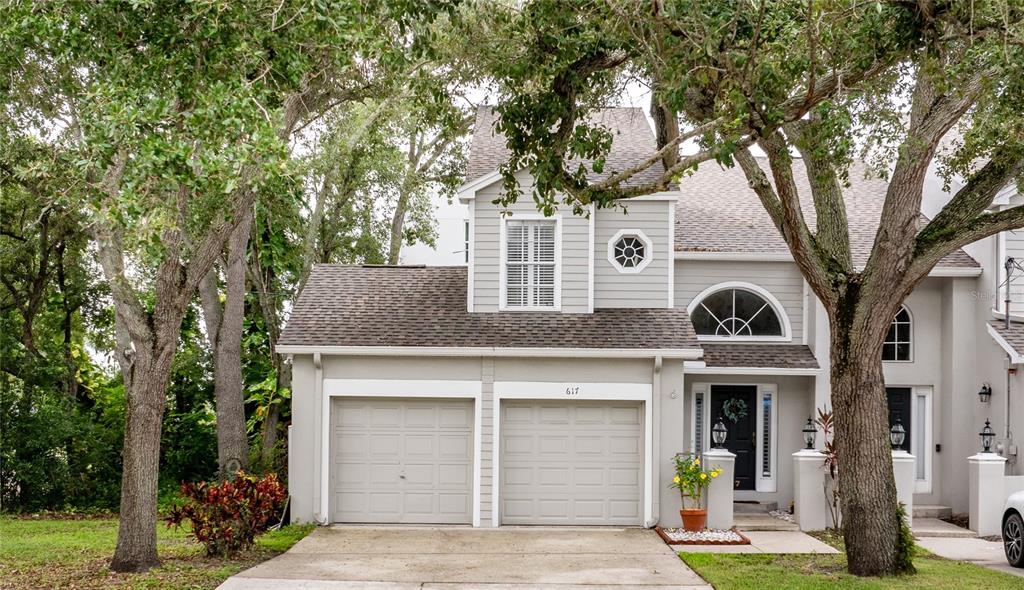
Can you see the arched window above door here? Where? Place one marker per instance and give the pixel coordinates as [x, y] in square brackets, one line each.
[738, 311]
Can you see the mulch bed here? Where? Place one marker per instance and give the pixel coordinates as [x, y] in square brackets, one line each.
[705, 537]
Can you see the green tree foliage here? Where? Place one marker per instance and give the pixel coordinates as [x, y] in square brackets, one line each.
[911, 86]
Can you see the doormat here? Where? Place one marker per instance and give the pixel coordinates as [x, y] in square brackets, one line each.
[705, 537]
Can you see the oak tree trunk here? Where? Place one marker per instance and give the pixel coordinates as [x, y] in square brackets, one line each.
[145, 391]
[224, 330]
[866, 483]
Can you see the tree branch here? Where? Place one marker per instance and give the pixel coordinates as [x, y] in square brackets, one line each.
[833, 231]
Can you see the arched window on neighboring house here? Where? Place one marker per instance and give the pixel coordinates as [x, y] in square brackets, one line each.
[898, 346]
[738, 311]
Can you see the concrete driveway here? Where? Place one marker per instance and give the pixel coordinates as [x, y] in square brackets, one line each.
[371, 558]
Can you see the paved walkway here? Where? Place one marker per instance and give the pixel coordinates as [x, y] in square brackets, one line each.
[403, 558]
[767, 542]
[978, 551]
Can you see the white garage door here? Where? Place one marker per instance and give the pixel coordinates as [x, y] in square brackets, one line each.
[402, 460]
[571, 463]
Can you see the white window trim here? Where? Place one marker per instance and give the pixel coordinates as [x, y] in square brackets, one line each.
[502, 271]
[761, 484]
[909, 359]
[648, 251]
[776, 305]
[544, 390]
[921, 486]
[435, 389]
[471, 270]
[590, 258]
[770, 483]
[671, 254]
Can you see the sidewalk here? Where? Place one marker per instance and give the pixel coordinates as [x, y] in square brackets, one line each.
[977, 551]
[766, 542]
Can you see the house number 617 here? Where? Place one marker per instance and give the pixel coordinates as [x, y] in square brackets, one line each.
[572, 390]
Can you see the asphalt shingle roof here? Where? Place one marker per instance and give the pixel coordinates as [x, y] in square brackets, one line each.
[426, 306]
[632, 143]
[717, 211]
[1014, 336]
[780, 356]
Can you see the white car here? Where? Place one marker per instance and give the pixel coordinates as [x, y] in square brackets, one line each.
[1013, 529]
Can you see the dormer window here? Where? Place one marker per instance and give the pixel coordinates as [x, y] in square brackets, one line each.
[531, 264]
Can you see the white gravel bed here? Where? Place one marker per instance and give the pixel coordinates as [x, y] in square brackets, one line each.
[705, 536]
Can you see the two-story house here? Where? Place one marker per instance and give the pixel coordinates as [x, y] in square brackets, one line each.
[552, 378]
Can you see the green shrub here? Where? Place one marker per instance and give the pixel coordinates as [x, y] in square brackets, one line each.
[904, 543]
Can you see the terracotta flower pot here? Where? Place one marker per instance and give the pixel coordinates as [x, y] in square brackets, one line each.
[694, 519]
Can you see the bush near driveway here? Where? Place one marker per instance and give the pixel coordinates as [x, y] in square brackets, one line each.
[740, 571]
[74, 553]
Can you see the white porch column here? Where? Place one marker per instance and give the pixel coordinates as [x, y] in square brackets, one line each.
[809, 501]
[903, 471]
[986, 472]
[720, 492]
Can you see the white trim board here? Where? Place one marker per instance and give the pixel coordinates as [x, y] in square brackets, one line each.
[773, 371]
[489, 351]
[942, 271]
[548, 390]
[403, 388]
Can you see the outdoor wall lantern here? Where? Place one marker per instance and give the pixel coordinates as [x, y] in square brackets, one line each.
[897, 434]
[809, 433]
[719, 433]
[985, 393]
[987, 434]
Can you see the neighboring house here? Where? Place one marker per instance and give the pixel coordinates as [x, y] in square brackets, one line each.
[452, 243]
[552, 379]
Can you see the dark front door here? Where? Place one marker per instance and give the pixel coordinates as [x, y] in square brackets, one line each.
[736, 405]
[899, 407]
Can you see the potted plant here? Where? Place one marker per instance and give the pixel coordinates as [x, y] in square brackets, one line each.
[691, 480]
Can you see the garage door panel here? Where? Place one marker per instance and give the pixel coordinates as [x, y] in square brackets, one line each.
[625, 416]
[454, 446]
[575, 462]
[403, 461]
[386, 416]
[589, 477]
[629, 446]
[553, 415]
[590, 445]
[627, 477]
[454, 476]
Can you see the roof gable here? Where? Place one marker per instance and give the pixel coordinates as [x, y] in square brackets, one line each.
[632, 143]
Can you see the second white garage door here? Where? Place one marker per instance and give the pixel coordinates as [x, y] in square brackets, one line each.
[402, 460]
[575, 463]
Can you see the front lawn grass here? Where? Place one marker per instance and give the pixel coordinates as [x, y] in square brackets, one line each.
[756, 571]
[74, 553]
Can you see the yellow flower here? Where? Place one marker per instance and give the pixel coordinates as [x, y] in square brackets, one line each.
[703, 475]
[714, 474]
[676, 479]
[696, 461]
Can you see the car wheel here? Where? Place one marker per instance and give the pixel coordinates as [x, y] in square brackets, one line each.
[1013, 540]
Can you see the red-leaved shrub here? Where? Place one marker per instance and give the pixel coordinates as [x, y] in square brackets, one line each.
[226, 517]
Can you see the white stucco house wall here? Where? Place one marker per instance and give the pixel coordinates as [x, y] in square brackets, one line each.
[551, 377]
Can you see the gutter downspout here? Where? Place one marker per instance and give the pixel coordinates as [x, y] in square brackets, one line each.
[321, 444]
[656, 435]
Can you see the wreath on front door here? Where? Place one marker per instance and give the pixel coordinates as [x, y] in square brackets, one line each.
[735, 409]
